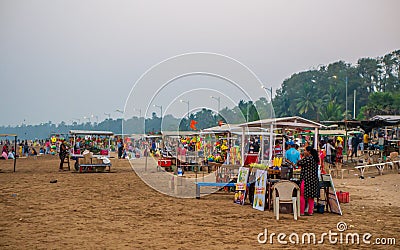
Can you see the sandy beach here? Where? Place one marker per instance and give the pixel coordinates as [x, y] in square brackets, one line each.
[118, 210]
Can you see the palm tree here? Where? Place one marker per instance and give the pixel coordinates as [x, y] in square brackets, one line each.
[306, 103]
[331, 95]
[332, 112]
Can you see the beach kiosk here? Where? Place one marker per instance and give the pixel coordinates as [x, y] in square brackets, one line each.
[91, 150]
[284, 124]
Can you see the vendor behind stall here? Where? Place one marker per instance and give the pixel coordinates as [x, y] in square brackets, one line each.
[292, 155]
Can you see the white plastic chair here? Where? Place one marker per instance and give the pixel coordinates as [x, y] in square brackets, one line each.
[285, 191]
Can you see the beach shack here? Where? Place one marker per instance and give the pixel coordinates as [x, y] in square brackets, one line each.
[283, 124]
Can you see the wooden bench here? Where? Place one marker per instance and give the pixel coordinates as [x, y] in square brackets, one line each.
[392, 164]
[379, 166]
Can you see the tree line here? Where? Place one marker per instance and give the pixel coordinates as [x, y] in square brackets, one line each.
[320, 94]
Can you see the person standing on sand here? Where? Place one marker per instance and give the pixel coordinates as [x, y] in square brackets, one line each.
[47, 147]
[26, 149]
[63, 154]
[309, 187]
[120, 146]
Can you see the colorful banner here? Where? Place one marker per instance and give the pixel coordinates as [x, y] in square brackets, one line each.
[260, 190]
[241, 184]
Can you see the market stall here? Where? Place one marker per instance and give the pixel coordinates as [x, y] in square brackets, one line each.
[284, 124]
[91, 150]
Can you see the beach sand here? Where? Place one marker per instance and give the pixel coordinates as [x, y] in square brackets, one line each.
[118, 210]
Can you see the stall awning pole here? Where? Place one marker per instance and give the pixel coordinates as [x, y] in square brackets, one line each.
[316, 138]
[229, 148]
[109, 146]
[283, 143]
[73, 146]
[271, 142]
[243, 137]
[15, 156]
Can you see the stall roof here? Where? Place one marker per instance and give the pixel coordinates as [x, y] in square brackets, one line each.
[387, 118]
[90, 132]
[293, 121]
[375, 122]
[5, 135]
[337, 132]
[235, 129]
[222, 129]
[179, 133]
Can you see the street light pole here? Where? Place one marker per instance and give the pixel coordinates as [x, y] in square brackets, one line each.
[346, 81]
[97, 118]
[270, 129]
[346, 97]
[354, 106]
[270, 90]
[120, 111]
[140, 112]
[219, 102]
[88, 119]
[159, 106]
[187, 102]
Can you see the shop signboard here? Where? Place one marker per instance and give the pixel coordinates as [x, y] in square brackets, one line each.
[260, 190]
[241, 184]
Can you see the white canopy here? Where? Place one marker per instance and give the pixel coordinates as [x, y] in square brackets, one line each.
[89, 132]
[294, 121]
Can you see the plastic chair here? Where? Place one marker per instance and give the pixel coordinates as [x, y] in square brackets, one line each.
[285, 191]
[340, 170]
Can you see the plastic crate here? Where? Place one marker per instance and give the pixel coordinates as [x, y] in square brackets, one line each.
[343, 197]
[164, 162]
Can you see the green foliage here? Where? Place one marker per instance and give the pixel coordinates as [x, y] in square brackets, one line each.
[382, 104]
[321, 94]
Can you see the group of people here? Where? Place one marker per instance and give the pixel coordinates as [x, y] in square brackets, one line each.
[8, 154]
[24, 150]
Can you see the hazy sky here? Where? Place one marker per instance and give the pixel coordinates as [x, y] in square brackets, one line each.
[64, 60]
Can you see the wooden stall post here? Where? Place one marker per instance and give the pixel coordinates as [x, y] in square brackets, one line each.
[15, 148]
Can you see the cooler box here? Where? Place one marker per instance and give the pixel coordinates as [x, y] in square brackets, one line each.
[343, 197]
[164, 162]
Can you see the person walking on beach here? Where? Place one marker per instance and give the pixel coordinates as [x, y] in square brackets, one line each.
[350, 147]
[329, 149]
[120, 149]
[309, 187]
[63, 154]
